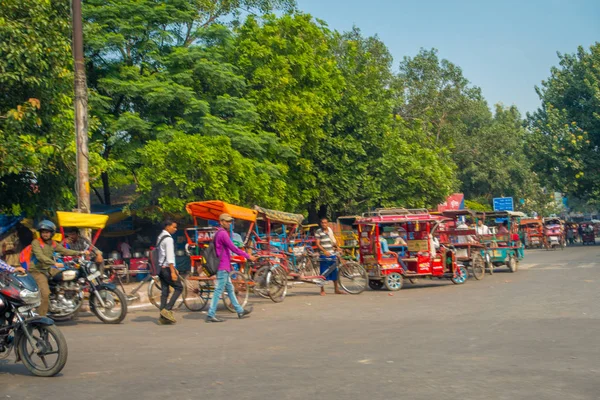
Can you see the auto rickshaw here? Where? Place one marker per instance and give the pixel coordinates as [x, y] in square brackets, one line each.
[504, 245]
[466, 241]
[387, 264]
[532, 232]
[588, 236]
[554, 233]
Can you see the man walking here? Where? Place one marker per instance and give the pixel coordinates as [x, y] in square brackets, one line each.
[168, 274]
[223, 247]
[327, 245]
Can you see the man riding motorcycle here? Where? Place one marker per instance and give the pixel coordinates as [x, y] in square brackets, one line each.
[43, 265]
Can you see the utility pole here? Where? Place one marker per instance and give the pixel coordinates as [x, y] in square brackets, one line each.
[81, 111]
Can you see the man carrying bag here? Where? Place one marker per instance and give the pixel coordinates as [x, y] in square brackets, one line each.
[168, 275]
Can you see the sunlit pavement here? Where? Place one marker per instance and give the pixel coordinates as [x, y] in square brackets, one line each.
[528, 335]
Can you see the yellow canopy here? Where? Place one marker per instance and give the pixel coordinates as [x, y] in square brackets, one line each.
[81, 220]
[212, 209]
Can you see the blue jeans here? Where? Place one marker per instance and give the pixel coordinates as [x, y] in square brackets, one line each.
[223, 282]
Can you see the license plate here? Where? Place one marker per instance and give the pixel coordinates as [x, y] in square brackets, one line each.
[94, 276]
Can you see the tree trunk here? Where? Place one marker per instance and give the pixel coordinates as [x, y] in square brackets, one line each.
[106, 188]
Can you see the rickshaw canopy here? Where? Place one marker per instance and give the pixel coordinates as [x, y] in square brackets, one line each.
[530, 221]
[81, 220]
[280, 216]
[212, 209]
[392, 215]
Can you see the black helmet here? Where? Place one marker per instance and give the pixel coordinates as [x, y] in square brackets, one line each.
[46, 225]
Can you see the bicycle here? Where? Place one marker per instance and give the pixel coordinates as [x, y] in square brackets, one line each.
[154, 288]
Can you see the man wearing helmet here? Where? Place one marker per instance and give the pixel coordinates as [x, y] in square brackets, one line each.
[43, 265]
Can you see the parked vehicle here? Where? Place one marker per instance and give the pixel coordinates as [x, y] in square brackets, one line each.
[80, 277]
[299, 262]
[38, 343]
[532, 233]
[588, 235]
[554, 233]
[503, 247]
[390, 258]
[466, 242]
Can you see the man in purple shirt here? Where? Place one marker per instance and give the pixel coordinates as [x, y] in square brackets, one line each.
[223, 247]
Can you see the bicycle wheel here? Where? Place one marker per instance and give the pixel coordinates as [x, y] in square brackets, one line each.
[154, 293]
[260, 282]
[198, 294]
[352, 277]
[276, 282]
[307, 267]
[241, 288]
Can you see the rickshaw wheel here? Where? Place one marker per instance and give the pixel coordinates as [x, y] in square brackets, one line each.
[488, 263]
[375, 285]
[478, 266]
[458, 280]
[198, 294]
[154, 293]
[352, 277]
[241, 289]
[512, 264]
[276, 283]
[260, 282]
[394, 281]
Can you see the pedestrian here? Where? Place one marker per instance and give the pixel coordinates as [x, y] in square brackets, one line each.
[327, 244]
[223, 248]
[168, 275]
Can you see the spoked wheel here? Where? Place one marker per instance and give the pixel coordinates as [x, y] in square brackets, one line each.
[260, 282]
[241, 289]
[155, 291]
[197, 294]
[489, 264]
[375, 285]
[47, 355]
[276, 283]
[460, 276]
[114, 309]
[352, 277]
[478, 266]
[512, 263]
[393, 281]
[307, 267]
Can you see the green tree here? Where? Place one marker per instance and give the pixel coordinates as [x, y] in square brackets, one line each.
[132, 97]
[36, 117]
[565, 131]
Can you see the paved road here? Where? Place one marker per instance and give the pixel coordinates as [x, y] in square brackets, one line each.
[529, 335]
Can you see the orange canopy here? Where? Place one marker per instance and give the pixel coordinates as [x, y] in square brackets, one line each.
[213, 208]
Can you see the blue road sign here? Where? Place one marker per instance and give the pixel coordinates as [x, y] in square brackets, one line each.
[503, 204]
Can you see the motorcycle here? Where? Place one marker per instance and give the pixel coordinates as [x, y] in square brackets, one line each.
[67, 289]
[38, 343]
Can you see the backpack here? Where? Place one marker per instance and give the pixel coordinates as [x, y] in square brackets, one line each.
[211, 258]
[154, 262]
[26, 256]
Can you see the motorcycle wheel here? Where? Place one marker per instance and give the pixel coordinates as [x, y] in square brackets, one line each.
[116, 306]
[50, 340]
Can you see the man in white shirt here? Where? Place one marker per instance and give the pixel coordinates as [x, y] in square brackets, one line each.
[482, 229]
[169, 278]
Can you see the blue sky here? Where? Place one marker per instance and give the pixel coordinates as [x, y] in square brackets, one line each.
[505, 47]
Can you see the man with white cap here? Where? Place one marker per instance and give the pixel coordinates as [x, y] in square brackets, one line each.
[223, 247]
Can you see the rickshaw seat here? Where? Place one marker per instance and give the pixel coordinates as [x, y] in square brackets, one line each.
[413, 259]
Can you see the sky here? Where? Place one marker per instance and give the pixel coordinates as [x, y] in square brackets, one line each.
[505, 47]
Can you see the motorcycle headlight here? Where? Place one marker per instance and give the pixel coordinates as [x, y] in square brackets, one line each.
[30, 297]
[93, 268]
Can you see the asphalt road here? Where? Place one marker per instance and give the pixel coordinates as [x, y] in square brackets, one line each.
[529, 335]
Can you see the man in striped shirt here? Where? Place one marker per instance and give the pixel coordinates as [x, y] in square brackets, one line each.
[327, 245]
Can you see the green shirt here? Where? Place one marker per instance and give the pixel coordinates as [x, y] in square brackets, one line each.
[43, 257]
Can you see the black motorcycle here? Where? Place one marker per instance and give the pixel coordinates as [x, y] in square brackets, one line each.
[67, 289]
[38, 343]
